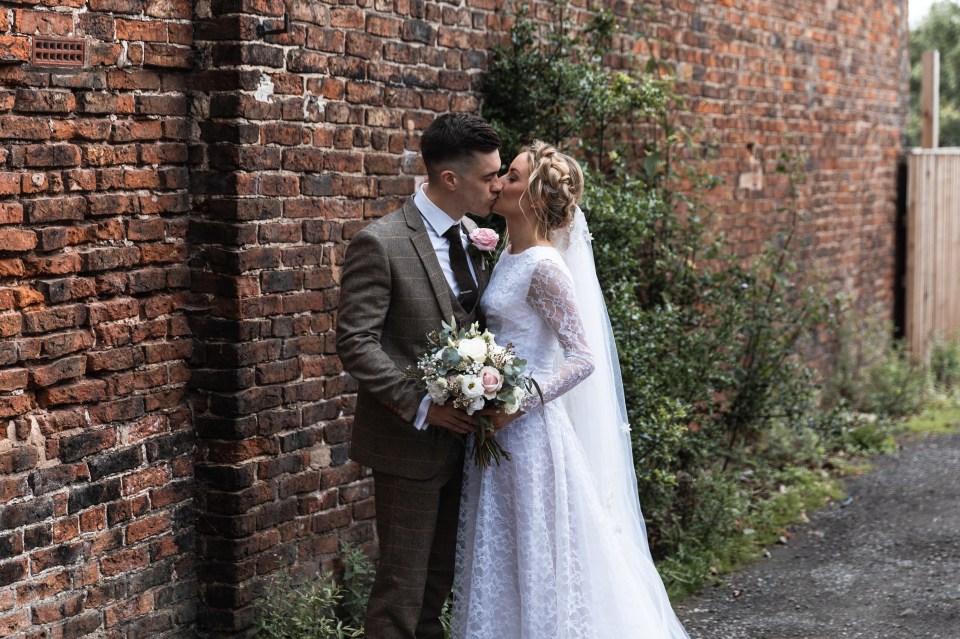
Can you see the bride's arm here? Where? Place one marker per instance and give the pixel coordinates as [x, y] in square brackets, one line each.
[551, 295]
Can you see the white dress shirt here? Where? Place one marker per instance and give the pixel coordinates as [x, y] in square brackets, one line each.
[437, 222]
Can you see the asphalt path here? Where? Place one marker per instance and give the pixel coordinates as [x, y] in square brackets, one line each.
[883, 563]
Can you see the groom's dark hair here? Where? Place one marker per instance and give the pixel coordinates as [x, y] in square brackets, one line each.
[456, 136]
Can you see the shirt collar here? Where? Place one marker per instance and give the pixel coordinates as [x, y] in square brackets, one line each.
[438, 220]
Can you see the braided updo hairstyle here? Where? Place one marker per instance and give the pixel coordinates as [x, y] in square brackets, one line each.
[555, 186]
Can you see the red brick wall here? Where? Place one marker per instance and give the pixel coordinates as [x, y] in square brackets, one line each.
[96, 442]
[177, 213]
[307, 135]
[826, 82]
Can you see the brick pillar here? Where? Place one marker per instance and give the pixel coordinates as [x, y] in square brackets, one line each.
[302, 137]
[275, 487]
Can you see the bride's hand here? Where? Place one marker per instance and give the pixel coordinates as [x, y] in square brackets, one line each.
[446, 416]
[498, 418]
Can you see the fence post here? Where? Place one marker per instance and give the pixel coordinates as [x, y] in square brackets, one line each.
[930, 101]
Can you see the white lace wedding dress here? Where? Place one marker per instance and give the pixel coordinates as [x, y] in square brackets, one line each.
[537, 555]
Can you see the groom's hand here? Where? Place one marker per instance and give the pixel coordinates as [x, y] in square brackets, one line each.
[498, 418]
[446, 416]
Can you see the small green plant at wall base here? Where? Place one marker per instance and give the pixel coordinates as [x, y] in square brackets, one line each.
[303, 611]
[945, 365]
[874, 372]
[358, 575]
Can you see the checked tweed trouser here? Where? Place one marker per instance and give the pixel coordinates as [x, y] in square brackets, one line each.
[417, 527]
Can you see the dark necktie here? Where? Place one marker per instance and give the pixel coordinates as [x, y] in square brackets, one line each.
[461, 270]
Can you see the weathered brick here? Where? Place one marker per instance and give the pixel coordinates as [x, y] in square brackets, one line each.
[51, 155]
[56, 318]
[76, 447]
[40, 101]
[18, 460]
[11, 213]
[53, 209]
[127, 509]
[69, 606]
[67, 368]
[112, 310]
[77, 393]
[114, 462]
[55, 477]
[61, 555]
[14, 405]
[17, 240]
[168, 56]
[148, 527]
[81, 625]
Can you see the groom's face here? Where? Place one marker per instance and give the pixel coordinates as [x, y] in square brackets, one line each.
[478, 185]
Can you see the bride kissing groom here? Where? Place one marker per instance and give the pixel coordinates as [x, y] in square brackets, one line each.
[551, 543]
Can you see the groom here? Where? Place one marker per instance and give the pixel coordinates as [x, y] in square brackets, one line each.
[403, 275]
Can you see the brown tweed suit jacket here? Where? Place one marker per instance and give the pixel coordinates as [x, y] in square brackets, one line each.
[393, 292]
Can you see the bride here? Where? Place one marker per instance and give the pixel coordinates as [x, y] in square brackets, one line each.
[552, 543]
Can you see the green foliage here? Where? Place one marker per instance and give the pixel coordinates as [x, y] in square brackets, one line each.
[549, 83]
[936, 419]
[736, 518]
[945, 365]
[940, 30]
[875, 374]
[322, 608]
[302, 611]
[358, 575]
[845, 430]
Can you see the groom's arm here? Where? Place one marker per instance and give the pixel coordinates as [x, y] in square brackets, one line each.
[365, 293]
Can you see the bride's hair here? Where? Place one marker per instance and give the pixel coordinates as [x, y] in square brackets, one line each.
[555, 186]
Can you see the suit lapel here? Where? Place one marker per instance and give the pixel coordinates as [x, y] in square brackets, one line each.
[423, 245]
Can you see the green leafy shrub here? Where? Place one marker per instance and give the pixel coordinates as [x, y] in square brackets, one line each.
[322, 608]
[945, 364]
[358, 576]
[875, 373]
[303, 611]
[549, 83]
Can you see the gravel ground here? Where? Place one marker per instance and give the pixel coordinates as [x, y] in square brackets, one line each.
[884, 563]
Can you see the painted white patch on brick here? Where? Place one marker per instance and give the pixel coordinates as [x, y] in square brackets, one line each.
[264, 89]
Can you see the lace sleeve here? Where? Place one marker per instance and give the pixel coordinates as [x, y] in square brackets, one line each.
[551, 295]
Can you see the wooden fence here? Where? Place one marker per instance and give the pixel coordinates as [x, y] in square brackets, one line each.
[933, 248]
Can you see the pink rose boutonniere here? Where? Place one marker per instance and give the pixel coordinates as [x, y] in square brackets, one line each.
[484, 241]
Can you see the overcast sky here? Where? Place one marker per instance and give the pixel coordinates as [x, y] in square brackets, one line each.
[918, 9]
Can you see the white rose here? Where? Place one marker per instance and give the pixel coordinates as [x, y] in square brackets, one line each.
[510, 409]
[437, 388]
[470, 387]
[474, 349]
[476, 405]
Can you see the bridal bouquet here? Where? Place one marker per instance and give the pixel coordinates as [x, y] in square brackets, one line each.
[468, 367]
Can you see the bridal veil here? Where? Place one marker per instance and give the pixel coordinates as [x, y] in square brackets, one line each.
[598, 411]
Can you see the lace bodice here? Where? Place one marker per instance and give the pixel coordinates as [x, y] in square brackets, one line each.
[530, 303]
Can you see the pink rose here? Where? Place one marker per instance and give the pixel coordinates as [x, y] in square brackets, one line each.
[485, 239]
[491, 380]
